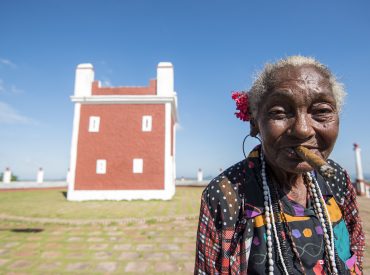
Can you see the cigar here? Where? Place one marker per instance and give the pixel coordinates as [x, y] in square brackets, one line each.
[315, 161]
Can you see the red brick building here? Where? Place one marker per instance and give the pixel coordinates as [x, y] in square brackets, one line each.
[123, 141]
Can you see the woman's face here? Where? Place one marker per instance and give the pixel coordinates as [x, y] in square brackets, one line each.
[299, 109]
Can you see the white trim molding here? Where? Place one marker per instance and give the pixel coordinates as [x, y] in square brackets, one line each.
[117, 195]
[128, 99]
[169, 181]
[73, 161]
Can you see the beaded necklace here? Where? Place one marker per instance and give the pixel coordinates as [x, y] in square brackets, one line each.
[280, 209]
[318, 204]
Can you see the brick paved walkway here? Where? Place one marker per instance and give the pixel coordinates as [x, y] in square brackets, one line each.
[158, 248]
[166, 247]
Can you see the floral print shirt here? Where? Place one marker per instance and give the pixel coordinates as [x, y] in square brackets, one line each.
[231, 233]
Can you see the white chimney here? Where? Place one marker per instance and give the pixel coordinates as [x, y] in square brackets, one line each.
[84, 79]
[165, 79]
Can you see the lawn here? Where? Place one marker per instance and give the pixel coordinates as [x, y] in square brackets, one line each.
[152, 247]
[53, 204]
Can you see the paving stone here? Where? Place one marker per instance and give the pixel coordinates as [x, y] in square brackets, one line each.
[78, 266]
[156, 256]
[112, 228]
[30, 245]
[3, 261]
[102, 255]
[129, 256]
[169, 246]
[136, 267]
[98, 246]
[181, 255]
[58, 232]
[9, 245]
[25, 253]
[74, 246]
[76, 255]
[50, 266]
[55, 238]
[189, 247]
[76, 232]
[115, 239]
[189, 267]
[142, 226]
[160, 239]
[34, 238]
[94, 233]
[50, 254]
[142, 247]
[21, 264]
[180, 240]
[95, 239]
[136, 238]
[191, 233]
[122, 247]
[114, 233]
[106, 266]
[74, 239]
[166, 267]
[53, 246]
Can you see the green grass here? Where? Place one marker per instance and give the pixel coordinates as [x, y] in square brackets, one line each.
[53, 204]
[29, 241]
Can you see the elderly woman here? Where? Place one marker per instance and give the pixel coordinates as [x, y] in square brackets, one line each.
[286, 208]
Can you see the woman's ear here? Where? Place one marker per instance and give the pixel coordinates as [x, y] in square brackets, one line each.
[253, 128]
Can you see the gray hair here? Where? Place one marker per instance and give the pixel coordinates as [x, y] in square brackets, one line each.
[265, 77]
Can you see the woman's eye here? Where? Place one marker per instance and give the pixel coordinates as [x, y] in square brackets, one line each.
[277, 114]
[322, 113]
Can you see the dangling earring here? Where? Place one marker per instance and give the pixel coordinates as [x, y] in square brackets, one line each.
[249, 135]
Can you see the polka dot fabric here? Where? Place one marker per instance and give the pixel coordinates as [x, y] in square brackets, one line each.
[232, 210]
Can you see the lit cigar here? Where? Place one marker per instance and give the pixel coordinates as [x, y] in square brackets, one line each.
[315, 161]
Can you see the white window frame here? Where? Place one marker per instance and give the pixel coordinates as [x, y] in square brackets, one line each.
[146, 124]
[137, 166]
[101, 166]
[94, 124]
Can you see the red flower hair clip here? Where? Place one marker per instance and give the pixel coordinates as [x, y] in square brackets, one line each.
[242, 105]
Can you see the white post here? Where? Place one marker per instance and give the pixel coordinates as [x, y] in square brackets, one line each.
[367, 190]
[40, 175]
[200, 175]
[360, 185]
[165, 79]
[7, 175]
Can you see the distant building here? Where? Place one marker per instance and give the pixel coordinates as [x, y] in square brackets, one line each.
[123, 141]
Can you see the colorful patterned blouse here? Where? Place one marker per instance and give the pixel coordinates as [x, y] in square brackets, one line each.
[232, 236]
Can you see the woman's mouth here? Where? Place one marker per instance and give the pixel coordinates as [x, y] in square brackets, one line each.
[291, 152]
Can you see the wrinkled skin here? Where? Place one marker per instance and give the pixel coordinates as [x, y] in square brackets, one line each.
[299, 109]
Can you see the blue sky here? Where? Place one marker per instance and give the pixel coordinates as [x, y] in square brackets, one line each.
[215, 47]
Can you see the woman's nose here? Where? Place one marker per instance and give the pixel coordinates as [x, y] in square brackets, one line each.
[302, 127]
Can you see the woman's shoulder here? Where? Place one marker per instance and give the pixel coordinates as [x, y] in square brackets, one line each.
[237, 178]
[227, 194]
[227, 182]
[338, 184]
